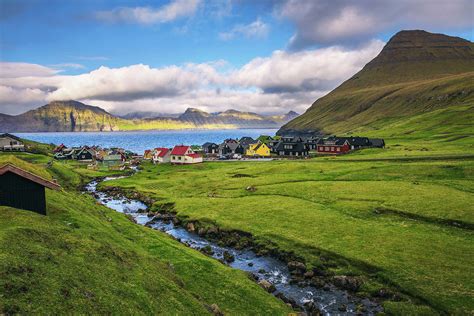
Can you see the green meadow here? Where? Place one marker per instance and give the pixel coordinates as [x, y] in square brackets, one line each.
[401, 218]
[86, 258]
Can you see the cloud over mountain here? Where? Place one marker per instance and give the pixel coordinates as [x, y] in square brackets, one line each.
[282, 81]
[326, 22]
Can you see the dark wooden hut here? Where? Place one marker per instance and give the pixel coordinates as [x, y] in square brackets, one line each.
[22, 189]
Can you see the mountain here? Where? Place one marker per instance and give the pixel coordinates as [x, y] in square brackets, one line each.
[236, 118]
[61, 116]
[415, 73]
[146, 115]
[74, 116]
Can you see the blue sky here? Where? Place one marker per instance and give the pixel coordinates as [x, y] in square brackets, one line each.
[209, 54]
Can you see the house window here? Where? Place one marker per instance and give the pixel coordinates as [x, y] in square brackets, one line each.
[326, 148]
[338, 149]
[179, 158]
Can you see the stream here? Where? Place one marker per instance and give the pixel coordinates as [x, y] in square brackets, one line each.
[329, 300]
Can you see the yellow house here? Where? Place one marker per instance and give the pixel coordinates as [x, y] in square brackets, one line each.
[258, 149]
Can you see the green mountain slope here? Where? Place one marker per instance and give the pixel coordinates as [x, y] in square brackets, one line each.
[86, 258]
[416, 72]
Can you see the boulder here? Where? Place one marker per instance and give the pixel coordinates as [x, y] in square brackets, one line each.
[190, 227]
[308, 274]
[267, 286]
[207, 250]
[345, 282]
[228, 257]
[251, 188]
[296, 267]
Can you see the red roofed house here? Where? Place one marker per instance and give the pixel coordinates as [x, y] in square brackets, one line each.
[148, 154]
[161, 155]
[184, 155]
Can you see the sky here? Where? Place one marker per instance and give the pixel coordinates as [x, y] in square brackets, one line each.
[264, 56]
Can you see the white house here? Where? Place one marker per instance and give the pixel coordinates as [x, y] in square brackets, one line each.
[9, 142]
[161, 155]
[184, 155]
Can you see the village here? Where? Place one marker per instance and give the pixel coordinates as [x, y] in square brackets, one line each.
[264, 147]
[245, 149]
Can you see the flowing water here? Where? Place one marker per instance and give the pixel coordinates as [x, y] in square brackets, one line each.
[330, 300]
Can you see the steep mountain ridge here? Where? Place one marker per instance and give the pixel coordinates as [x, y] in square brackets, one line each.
[61, 116]
[416, 72]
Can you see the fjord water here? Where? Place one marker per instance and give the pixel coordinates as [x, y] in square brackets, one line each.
[138, 141]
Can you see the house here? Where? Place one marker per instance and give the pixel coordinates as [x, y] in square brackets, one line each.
[231, 148]
[246, 141]
[377, 142]
[66, 153]
[24, 190]
[113, 158]
[356, 142]
[265, 139]
[333, 145]
[59, 148]
[84, 154]
[312, 142]
[289, 146]
[161, 155]
[148, 154]
[210, 148]
[9, 142]
[258, 150]
[184, 155]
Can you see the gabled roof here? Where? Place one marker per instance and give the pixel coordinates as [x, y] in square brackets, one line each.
[28, 175]
[233, 146]
[205, 145]
[180, 150]
[10, 135]
[162, 151]
[194, 155]
[247, 140]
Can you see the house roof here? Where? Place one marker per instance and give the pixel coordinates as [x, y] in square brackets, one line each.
[194, 155]
[377, 141]
[28, 175]
[205, 145]
[180, 150]
[297, 146]
[247, 140]
[233, 146]
[10, 135]
[162, 151]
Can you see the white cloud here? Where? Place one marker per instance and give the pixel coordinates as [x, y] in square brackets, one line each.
[274, 84]
[60, 67]
[256, 29]
[147, 15]
[16, 70]
[347, 21]
[313, 70]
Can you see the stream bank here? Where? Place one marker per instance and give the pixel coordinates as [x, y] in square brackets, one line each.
[281, 274]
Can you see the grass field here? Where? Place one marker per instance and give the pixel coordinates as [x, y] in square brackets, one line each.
[87, 259]
[393, 221]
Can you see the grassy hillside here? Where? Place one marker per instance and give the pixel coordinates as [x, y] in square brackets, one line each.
[416, 72]
[88, 259]
[397, 223]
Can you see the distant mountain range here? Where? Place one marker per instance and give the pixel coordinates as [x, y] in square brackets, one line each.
[417, 72]
[74, 116]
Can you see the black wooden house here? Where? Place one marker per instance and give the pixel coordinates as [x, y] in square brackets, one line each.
[24, 190]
